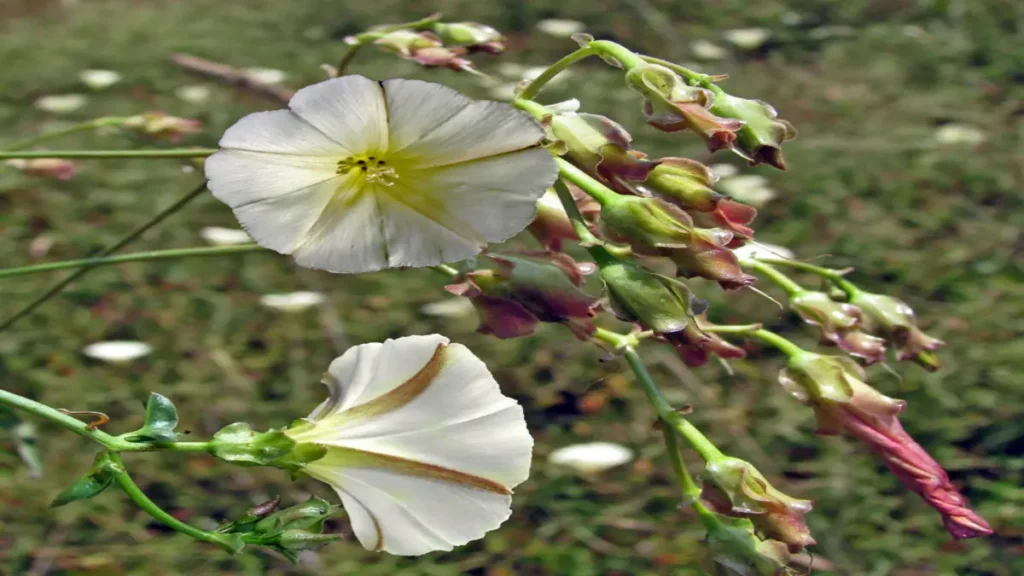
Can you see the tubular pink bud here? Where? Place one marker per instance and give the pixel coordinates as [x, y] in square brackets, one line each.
[47, 167]
[694, 345]
[160, 125]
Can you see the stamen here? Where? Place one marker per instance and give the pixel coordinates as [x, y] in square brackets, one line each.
[375, 171]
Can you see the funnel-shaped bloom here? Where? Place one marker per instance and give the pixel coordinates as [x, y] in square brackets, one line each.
[845, 404]
[893, 318]
[360, 175]
[421, 445]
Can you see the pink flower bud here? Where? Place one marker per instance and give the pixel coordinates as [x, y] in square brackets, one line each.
[601, 147]
[844, 403]
[687, 184]
[839, 323]
[424, 48]
[471, 35]
[58, 168]
[893, 318]
[552, 225]
[163, 126]
[694, 345]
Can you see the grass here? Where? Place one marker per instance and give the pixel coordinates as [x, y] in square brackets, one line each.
[936, 224]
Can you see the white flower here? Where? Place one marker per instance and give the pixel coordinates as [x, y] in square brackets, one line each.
[763, 250]
[218, 236]
[959, 134]
[591, 457]
[99, 79]
[265, 75]
[193, 94]
[292, 301]
[61, 103]
[362, 175]
[747, 38]
[449, 308]
[706, 50]
[561, 27]
[748, 188]
[422, 447]
[117, 351]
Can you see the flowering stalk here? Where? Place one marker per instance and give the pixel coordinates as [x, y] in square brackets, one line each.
[355, 43]
[534, 87]
[84, 126]
[136, 257]
[109, 154]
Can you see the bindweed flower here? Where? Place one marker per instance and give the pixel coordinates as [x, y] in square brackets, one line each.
[471, 35]
[894, 319]
[672, 105]
[733, 487]
[57, 168]
[218, 236]
[421, 446]
[117, 351]
[655, 227]
[659, 303]
[844, 403]
[293, 301]
[360, 175]
[424, 48]
[839, 324]
[160, 125]
[552, 225]
[687, 184]
[763, 132]
[695, 346]
[592, 457]
[525, 289]
[734, 550]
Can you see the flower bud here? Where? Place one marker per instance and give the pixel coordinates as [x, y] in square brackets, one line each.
[552, 225]
[425, 49]
[672, 105]
[844, 403]
[761, 137]
[309, 515]
[709, 256]
[687, 184]
[657, 302]
[839, 323]
[524, 289]
[734, 550]
[893, 318]
[58, 168]
[471, 35]
[694, 345]
[160, 125]
[735, 488]
[601, 147]
[295, 539]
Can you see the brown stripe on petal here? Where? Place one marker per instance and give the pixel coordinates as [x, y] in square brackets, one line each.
[354, 458]
[380, 533]
[403, 393]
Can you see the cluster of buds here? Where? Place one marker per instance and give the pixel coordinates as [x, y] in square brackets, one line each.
[524, 289]
[696, 343]
[443, 45]
[287, 531]
[840, 324]
[894, 319]
[735, 550]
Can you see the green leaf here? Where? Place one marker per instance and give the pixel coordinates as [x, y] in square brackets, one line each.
[99, 478]
[239, 444]
[161, 419]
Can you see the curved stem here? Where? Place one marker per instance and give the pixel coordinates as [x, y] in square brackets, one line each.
[785, 346]
[585, 182]
[56, 288]
[136, 257]
[692, 77]
[778, 278]
[579, 225]
[90, 125]
[225, 541]
[691, 491]
[347, 57]
[447, 270]
[110, 154]
[624, 56]
[534, 87]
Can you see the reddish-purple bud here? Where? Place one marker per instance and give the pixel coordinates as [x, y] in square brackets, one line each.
[893, 318]
[763, 132]
[839, 323]
[424, 48]
[687, 184]
[47, 167]
[845, 404]
[695, 345]
[552, 225]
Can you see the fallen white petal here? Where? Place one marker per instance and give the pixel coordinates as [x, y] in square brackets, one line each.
[959, 134]
[561, 27]
[763, 250]
[747, 38]
[99, 79]
[591, 457]
[292, 301]
[449, 308]
[266, 75]
[117, 351]
[706, 50]
[748, 188]
[61, 103]
[194, 94]
[218, 236]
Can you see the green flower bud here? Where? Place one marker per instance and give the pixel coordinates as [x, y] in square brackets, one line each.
[734, 550]
[839, 323]
[471, 35]
[307, 515]
[761, 137]
[894, 319]
[659, 303]
[601, 147]
[295, 539]
[687, 184]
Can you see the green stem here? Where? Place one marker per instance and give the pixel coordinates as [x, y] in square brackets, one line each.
[740, 329]
[830, 274]
[90, 125]
[347, 57]
[778, 278]
[691, 491]
[110, 154]
[111, 443]
[585, 182]
[56, 288]
[785, 346]
[136, 257]
[624, 56]
[534, 87]
[447, 270]
[225, 541]
[593, 245]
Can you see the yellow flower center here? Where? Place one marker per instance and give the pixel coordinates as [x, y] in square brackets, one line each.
[374, 169]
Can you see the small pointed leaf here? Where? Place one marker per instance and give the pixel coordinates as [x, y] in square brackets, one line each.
[98, 479]
[161, 419]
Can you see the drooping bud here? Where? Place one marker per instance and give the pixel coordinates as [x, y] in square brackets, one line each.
[844, 403]
[695, 345]
[733, 487]
[657, 302]
[709, 256]
[552, 225]
[894, 319]
[687, 184]
[524, 289]
[160, 125]
[471, 35]
[734, 550]
[839, 324]
[672, 105]
[58, 168]
[424, 48]
[763, 132]
[601, 147]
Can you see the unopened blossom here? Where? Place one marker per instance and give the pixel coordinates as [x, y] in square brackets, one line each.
[57, 168]
[760, 138]
[471, 35]
[424, 48]
[524, 289]
[735, 550]
[839, 323]
[360, 175]
[293, 301]
[893, 318]
[61, 103]
[99, 79]
[218, 236]
[552, 226]
[591, 457]
[695, 345]
[421, 446]
[160, 125]
[117, 351]
[734, 487]
[656, 302]
[845, 404]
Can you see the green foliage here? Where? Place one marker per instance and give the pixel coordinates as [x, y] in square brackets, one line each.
[161, 420]
[98, 479]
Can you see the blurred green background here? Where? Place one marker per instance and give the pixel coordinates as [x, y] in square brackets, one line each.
[876, 88]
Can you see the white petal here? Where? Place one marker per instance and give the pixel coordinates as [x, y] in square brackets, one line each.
[283, 132]
[116, 351]
[61, 103]
[591, 457]
[706, 50]
[346, 236]
[432, 125]
[747, 38]
[194, 94]
[417, 239]
[238, 178]
[349, 110]
[292, 301]
[414, 515]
